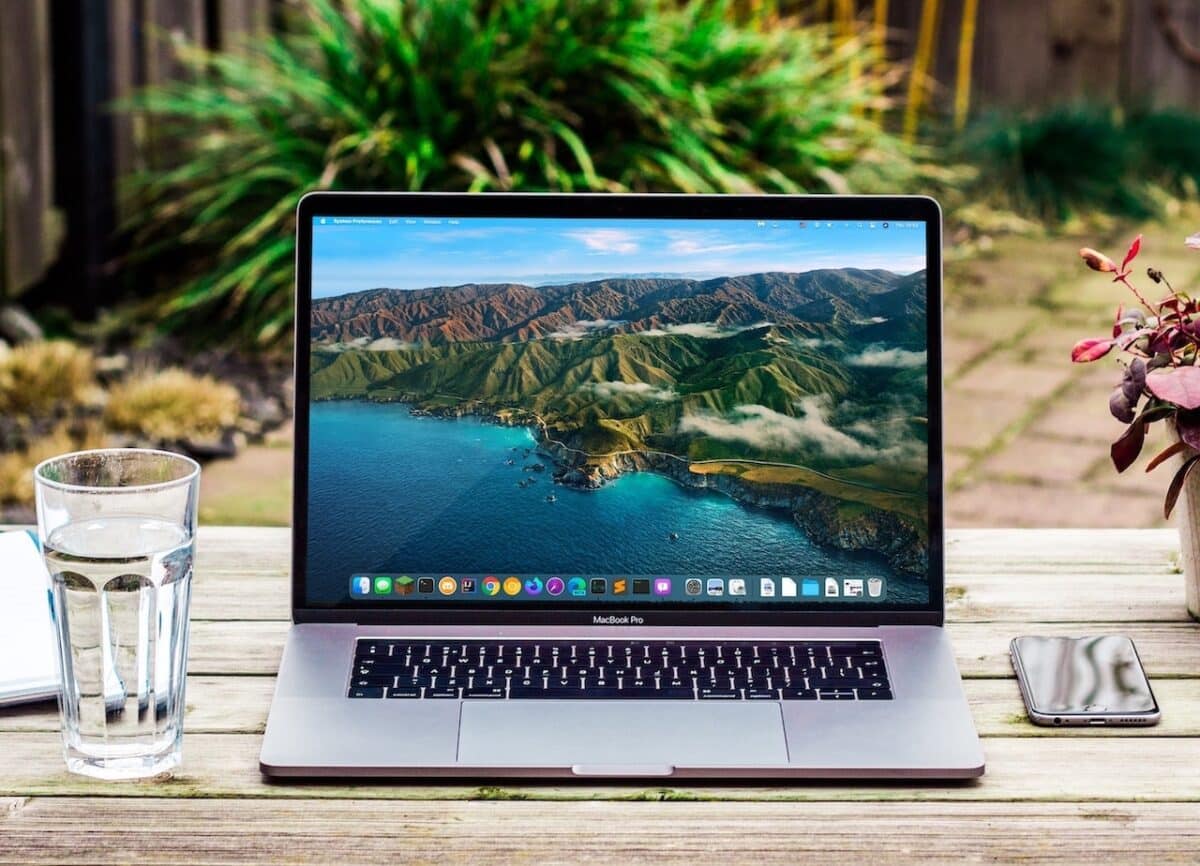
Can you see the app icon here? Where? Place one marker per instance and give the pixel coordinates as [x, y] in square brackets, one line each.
[577, 586]
[534, 585]
[766, 587]
[360, 585]
[599, 586]
[716, 586]
[383, 585]
[852, 587]
[831, 587]
[620, 586]
[662, 586]
[810, 587]
[875, 587]
[693, 586]
[737, 586]
[512, 585]
[447, 585]
[467, 584]
[788, 587]
[641, 586]
[491, 585]
[425, 585]
[403, 585]
[555, 586]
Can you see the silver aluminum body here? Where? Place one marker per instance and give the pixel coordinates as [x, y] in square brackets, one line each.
[315, 730]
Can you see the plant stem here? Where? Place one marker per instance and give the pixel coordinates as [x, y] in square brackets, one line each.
[1124, 279]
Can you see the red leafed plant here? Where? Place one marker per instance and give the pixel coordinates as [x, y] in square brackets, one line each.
[1164, 340]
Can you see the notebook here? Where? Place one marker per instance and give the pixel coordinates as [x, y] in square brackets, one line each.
[28, 658]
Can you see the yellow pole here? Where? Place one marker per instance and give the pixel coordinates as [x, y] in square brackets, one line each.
[966, 51]
[922, 61]
[881, 22]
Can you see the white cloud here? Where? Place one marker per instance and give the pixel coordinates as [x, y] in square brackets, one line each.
[767, 429]
[606, 240]
[702, 330]
[389, 344]
[880, 356]
[583, 328]
[695, 243]
[607, 390]
[382, 344]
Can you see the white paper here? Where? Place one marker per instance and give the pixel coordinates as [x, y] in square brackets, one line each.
[28, 658]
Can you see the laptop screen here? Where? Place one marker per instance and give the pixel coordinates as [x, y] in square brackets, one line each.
[602, 412]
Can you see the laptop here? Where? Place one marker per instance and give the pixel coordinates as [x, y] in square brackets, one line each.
[636, 486]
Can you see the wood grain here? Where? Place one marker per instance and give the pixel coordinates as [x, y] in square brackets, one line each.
[63, 830]
[1049, 795]
[1066, 767]
[1053, 576]
[1167, 649]
[223, 705]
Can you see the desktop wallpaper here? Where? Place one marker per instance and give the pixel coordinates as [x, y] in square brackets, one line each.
[698, 399]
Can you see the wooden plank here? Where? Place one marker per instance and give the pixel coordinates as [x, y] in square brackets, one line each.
[1154, 75]
[1045, 596]
[29, 229]
[1167, 650]
[1034, 575]
[63, 830]
[1032, 551]
[239, 20]
[126, 45]
[239, 705]
[1059, 768]
[165, 22]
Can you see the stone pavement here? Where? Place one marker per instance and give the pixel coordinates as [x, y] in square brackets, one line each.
[1027, 431]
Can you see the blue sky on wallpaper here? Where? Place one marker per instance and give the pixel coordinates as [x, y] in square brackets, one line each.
[351, 256]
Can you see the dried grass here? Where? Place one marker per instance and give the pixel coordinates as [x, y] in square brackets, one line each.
[172, 405]
[16, 467]
[36, 377]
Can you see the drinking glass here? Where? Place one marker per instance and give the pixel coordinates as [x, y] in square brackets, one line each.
[117, 528]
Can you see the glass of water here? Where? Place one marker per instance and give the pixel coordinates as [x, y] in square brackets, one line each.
[117, 528]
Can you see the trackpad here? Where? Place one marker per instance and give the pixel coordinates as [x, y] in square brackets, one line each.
[620, 734]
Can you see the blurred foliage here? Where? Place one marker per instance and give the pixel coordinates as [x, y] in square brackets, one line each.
[592, 95]
[35, 378]
[1069, 161]
[16, 467]
[172, 405]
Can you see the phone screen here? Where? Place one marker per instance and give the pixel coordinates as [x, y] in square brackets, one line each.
[1084, 675]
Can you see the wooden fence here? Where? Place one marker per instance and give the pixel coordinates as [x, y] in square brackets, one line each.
[62, 62]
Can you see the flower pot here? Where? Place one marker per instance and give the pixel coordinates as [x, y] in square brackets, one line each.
[1188, 514]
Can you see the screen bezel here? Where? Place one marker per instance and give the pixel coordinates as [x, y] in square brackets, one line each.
[600, 206]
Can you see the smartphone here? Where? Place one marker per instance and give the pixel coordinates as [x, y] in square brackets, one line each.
[1083, 681]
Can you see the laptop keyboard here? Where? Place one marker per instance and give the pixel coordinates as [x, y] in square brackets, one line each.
[499, 670]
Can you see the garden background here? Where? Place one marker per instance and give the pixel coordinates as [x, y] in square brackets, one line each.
[152, 151]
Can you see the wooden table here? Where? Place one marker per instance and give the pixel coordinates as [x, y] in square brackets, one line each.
[1115, 795]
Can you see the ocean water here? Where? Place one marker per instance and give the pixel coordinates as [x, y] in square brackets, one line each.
[391, 492]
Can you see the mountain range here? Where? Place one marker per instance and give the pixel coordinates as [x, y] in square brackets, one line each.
[891, 305]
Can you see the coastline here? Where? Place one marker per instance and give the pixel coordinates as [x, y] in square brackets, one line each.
[894, 537]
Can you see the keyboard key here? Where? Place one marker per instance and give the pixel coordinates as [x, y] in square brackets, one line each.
[492, 692]
[709, 694]
[874, 694]
[798, 694]
[762, 695]
[620, 670]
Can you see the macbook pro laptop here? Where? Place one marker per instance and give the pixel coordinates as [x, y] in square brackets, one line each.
[618, 486]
